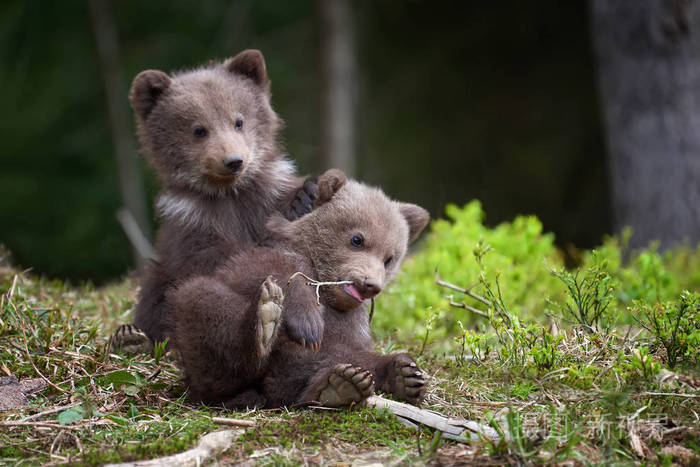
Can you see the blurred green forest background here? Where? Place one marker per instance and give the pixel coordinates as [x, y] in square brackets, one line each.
[456, 101]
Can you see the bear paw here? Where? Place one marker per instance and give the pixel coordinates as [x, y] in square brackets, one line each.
[304, 325]
[406, 381]
[303, 202]
[269, 314]
[130, 340]
[346, 385]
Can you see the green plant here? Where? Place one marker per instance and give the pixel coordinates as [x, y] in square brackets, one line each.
[159, 350]
[432, 315]
[545, 352]
[643, 364]
[674, 325]
[589, 297]
[476, 343]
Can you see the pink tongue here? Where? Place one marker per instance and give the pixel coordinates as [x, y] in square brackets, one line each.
[352, 290]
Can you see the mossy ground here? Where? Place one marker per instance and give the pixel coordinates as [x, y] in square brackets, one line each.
[562, 394]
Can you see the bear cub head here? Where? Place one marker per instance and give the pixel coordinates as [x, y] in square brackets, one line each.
[209, 129]
[355, 233]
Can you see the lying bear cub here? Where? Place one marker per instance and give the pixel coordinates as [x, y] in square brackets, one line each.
[248, 336]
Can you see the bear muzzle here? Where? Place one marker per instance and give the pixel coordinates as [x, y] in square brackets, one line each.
[233, 163]
[369, 288]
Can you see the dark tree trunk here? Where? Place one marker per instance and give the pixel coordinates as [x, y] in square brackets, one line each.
[133, 216]
[339, 80]
[649, 81]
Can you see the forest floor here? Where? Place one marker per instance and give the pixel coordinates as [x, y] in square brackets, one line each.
[96, 407]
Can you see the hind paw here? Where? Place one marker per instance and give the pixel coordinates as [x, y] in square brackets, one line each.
[130, 340]
[346, 385]
[406, 381]
[269, 314]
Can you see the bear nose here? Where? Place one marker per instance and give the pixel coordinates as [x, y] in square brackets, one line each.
[233, 163]
[372, 287]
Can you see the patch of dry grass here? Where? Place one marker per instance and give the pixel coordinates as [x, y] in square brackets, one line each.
[100, 407]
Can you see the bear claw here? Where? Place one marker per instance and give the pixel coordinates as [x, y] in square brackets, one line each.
[346, 385]
[269, 314]
[130, 340]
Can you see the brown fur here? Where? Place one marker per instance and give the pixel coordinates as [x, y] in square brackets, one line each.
[216, 317]
[189, 125]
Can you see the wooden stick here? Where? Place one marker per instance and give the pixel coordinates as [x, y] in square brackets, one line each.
[232, 421]
[464, 431]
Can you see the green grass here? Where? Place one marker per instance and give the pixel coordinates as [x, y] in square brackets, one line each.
[568, 366]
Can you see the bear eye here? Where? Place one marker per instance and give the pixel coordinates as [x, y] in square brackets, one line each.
[357, 240]
[387, 262]
[200, 132]
[238, 125]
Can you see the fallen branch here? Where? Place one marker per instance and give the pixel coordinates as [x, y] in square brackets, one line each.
[232, 421]
[209, 446]
[464, 431]
[58, 408]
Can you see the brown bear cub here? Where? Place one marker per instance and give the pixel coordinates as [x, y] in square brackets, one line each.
[211, 135]
[238, 331]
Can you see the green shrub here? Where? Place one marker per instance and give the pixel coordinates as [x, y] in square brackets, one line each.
[590, 294]
[519, 249]
[674, 325]
[518, 265]
[647, 275]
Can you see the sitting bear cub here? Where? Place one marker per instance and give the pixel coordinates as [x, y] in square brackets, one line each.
[239, 331]
[212, 137]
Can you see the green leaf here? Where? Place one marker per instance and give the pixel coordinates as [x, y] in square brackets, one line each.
[130, 390]
[71, 415]
[118, 420]
[118, 378]
[133, 411]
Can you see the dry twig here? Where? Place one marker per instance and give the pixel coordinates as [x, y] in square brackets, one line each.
[315, 283]
[468, 292]
[58, 408]
[233, 421]
[39, 424]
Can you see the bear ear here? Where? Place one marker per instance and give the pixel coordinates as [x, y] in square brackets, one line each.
[146, 89]
[251, 64]
[416, 217]
[328, 185]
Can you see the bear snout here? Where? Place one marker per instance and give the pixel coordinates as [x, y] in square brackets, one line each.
[370, 288]
[233, 163]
